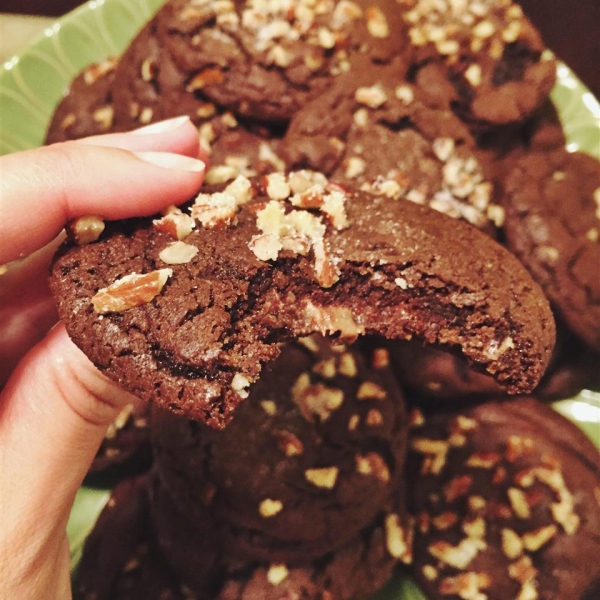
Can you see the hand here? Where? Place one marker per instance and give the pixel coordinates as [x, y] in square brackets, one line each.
[55, 406]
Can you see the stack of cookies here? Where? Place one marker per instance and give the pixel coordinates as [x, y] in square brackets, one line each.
[391, 172]
[301, 496]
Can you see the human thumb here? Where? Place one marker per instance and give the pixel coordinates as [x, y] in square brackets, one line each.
[54, 412]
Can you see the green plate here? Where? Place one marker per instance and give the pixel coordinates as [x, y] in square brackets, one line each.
[32, 83]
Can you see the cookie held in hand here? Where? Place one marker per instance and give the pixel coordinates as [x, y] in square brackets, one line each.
[184, 310]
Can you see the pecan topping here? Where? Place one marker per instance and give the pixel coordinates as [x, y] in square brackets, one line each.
[269, 507]
[85, 230]
[130, 291]
[459, 556]
[325, 477]
[370, 391]
[277, 573]
[178, 253]
[288, 443]
[398, 539]
[316, 400]
[175, 223]
[373, 464]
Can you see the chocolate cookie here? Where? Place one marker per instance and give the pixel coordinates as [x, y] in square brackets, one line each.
[189, 323]
[120, 559]
[148, 86]
[267, 59]
[500, 148]
[490, 53]
[552, 202]
[355, 570]
[505, 497]
[438, 375]
[238, 147]
[306, 463]
[382, 136]
[126, 446]
[87, 108]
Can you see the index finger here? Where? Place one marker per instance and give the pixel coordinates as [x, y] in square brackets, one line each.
[41, 189]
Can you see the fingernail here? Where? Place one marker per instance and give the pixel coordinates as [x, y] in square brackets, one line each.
[163, 126]
[170, 160]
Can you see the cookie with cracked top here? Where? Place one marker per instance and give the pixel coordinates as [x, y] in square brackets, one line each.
[552, 202]
[267, 59]
[490, 53]
[355, 570]
[124, 559]
[126, 445]
[371, 132]
[505, 497]
[120, 559]
[306, 463]
[148, 86]
[87, 108]
[145, 87]
[189, 323]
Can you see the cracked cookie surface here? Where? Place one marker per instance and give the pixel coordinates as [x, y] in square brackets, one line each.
[552, 203]
[306, 463]
[189, 323]
[265, 59]
[375, 132]
[488, 51]
[88, 107]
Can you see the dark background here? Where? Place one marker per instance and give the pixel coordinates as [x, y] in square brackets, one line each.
[571, 28]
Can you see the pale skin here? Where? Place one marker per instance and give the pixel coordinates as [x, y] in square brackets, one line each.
[55, 406]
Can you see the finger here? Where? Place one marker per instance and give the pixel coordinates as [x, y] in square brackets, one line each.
[54, 412]
[27, 310]
[177, 135]
[41, 189]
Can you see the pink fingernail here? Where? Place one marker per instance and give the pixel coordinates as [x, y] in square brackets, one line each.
[169, 160]
[163, 126]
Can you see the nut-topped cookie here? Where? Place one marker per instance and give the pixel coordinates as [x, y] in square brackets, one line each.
[436, 375]
[490, 52]
[265, 59]
[124, 560]
[506, 502]
[126, 445]
[186, 308]
[308, 460]
[354, 570]
[87, 107]
[148, 86]
[552, 202]
[384, 136]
